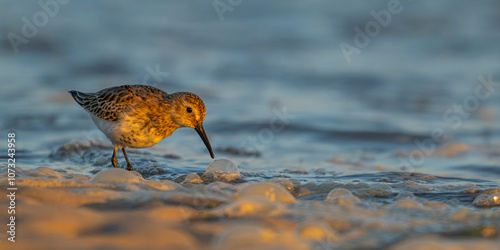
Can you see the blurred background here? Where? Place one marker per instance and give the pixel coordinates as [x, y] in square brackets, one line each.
[281, 94]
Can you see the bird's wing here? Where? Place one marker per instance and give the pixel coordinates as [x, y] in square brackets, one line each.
[110, 103]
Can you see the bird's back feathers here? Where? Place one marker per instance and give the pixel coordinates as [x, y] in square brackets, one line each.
[110, 103]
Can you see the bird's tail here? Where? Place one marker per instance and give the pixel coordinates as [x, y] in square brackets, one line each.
[79, 96]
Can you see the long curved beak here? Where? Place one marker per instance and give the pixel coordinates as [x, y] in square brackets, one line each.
[203, 135]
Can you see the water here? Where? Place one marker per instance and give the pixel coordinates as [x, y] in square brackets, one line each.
[282, 100]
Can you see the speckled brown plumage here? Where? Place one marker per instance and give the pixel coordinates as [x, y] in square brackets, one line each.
[109, 103]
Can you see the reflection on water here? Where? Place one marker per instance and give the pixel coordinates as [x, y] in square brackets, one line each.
[415, 111]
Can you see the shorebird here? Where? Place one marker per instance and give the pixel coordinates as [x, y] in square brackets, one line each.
[139, 116]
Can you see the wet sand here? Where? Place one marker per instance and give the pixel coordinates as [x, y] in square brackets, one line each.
[118, 209]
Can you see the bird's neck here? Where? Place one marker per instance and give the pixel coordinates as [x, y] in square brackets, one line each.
[163, 122]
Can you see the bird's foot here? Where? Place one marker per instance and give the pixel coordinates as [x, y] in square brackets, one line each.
[114, 162]
[129, 167]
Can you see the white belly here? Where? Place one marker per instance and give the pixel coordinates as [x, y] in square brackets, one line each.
[127, 134]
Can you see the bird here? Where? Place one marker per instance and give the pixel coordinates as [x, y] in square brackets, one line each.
[139, 116]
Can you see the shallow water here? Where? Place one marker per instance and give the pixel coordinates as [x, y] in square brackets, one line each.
[282, 103]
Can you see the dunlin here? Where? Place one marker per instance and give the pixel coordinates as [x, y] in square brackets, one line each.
[139, 116]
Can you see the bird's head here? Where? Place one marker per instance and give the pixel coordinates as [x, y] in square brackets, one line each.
[188, 110]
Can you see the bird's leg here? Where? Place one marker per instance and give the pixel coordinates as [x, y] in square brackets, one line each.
[113, 159]
[129, 166]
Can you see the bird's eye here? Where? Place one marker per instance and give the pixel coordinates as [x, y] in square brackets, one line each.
[189, 110]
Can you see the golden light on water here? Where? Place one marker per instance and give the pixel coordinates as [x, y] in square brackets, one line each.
[495, 198]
